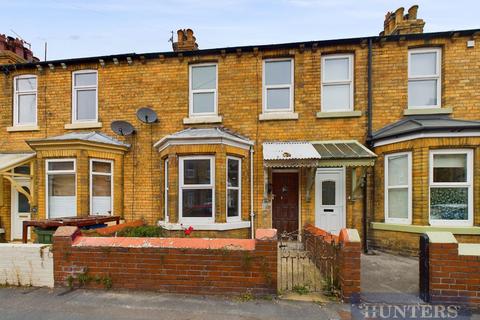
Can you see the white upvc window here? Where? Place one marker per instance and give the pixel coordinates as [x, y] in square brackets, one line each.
[101, 187]
[61, 186]
[234, 189]
[278, 79]
[85, 96]
[451, 187]
[337, 83]
[25, 100]
[203, 85]
[166, 190]
[424, 78]
[398, 188]
[197, 189]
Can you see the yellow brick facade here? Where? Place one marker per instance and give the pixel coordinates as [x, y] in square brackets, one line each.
[162, 84]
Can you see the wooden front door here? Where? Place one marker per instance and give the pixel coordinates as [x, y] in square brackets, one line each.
[285, 201]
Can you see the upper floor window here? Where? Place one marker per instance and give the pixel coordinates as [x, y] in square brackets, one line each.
[25, 100]
[398, 188]
[203, 90]
[85, 96]
[424, 78]
[278, 85]
[337, 83]
[451, 187]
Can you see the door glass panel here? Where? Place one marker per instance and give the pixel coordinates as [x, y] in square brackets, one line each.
[328, 193]
[23, 205]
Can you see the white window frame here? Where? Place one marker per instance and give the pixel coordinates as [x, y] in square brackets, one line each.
[83, 88]
[239, 189]
[191, 114]
[407, 220]
[50, 172]
[349, 81]
[17, 93]
[111, 162]
[278, 86]
[182, 187]
[468, 184]
[437, 76]
[166, 180]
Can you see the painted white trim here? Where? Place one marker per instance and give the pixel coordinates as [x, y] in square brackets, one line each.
[191, 114]
[165, 143]
[349, 81]
[14, 207]
[165, 192]
[239, 189]
[386, 188]
[111, 174]
[182, 186]
[290, 86]
[426, 135]
[86, 88]
[468, 184]
[203, 119]
[47, 172]
[16, 125]
[209, 226]
[437, 77]
[278, 116]
[23, 128]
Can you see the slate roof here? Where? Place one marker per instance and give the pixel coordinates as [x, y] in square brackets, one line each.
[92, 136]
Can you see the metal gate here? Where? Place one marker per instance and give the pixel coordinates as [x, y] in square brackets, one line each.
[298, 269]
[424, 267]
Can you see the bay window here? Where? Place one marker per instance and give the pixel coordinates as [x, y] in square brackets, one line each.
[337, 83]
[398, 188]
[101, 187]
[203, 90]
[278, 85]
[424, 78]
[85, 96]
[234, 185]
[197, 189]
[61, 188]
[25, 100]
[451, 187]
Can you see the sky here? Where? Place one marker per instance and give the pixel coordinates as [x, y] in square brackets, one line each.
[81, 28]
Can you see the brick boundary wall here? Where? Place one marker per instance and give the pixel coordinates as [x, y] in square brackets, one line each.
[454, 270]
[176, 265]
[343, 253]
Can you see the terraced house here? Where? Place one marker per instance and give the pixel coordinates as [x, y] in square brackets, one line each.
[379, 133]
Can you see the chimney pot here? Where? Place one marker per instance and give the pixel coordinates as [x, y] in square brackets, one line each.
[186, 41]
[412, 12]
[398, 23]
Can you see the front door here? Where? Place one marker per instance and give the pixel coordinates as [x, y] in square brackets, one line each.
[285, 201]
[20, 210]
[330, 199]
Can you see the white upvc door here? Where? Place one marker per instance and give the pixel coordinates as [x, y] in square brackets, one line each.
[20, 210]
[330, 199]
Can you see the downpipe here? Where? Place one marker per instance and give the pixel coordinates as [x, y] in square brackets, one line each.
[252, 214]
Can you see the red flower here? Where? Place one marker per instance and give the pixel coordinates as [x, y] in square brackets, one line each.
[188, 231]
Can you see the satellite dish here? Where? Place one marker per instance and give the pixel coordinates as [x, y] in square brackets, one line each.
[146, 115]
[122, 128]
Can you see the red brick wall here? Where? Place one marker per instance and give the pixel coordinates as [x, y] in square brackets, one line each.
[453, 278]
[243, 266]
[340, 254]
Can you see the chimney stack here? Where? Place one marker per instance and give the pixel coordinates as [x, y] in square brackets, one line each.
[399, 23]
[185, 41]
[14, 50]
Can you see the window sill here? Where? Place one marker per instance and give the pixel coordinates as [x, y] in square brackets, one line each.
[339, 114]
[423, 229]
[278, 116]
[200, 120]
[83, 125]
[427, 111]
[205, 226]
[23, 128]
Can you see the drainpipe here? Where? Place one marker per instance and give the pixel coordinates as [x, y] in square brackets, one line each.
[369, 144]
[252, 214]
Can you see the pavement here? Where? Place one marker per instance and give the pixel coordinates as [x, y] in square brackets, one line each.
[64, 304]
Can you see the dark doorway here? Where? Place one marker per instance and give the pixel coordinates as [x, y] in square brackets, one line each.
[285, 201]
